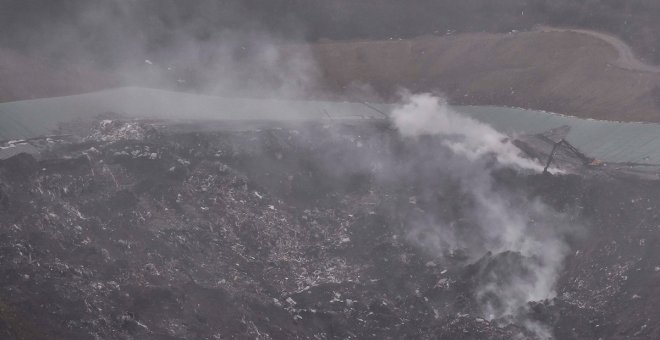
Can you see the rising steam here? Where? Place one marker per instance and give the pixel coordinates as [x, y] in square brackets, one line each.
[523, 238]
[424, 114]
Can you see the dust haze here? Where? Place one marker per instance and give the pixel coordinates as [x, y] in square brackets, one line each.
[250, 61]
[530, 235]
[459, 208]
[170, 45]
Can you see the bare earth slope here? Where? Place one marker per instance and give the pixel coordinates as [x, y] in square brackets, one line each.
[576, 72]
[25, 77]
[561, 71]
[627, 59]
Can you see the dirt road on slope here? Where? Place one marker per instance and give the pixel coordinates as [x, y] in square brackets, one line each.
[575, 72]
[627, 59]
[557, 71]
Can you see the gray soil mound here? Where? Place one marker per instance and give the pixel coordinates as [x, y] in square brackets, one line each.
[166, 232]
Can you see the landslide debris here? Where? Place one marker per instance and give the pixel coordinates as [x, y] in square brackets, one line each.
[157, 231]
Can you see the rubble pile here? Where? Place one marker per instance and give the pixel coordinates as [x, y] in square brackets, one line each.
[109, 130]
[143, 232]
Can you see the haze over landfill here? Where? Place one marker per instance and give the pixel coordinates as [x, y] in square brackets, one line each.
[329, 169]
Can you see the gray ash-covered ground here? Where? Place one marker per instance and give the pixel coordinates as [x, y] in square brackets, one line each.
[159, 231]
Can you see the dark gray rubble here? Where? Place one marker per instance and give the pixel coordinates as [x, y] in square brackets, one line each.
[151, 231]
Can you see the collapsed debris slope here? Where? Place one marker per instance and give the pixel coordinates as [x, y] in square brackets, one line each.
[161, 231]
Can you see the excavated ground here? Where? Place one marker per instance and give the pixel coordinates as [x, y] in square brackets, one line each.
[151, 231]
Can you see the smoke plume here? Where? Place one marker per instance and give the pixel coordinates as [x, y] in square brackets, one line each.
[424, 114]
[523, 239]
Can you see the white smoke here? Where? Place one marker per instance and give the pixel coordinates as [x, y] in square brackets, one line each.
[506, 224]
[425, 114]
